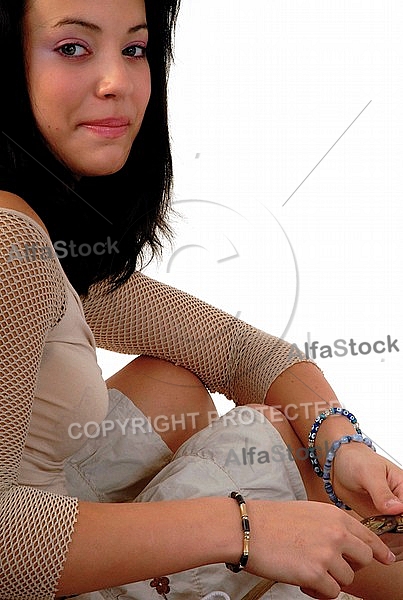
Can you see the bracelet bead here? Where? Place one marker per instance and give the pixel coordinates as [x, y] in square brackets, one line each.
[329, 460]
[338, 410]
[236, 568]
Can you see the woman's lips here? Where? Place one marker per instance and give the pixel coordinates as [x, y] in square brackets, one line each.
[109, 128]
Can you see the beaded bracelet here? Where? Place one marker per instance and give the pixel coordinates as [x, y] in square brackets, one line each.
[338, 410]
[328, 465]
[235, 568]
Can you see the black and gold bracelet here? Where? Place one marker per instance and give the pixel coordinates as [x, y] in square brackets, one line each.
[236, 568]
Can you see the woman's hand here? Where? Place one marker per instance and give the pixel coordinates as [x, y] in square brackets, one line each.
[371, 485]
[313, 545]
[366, 481]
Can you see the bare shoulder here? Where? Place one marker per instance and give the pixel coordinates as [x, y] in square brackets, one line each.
[14, 202]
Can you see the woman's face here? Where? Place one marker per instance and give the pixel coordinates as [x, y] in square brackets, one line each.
[88, 79]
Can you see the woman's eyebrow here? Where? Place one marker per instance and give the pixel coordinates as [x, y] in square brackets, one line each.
[92, 26]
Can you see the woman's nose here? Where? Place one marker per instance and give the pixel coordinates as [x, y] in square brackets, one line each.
[115, 80]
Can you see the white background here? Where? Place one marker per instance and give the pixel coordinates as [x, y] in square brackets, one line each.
[272, 97]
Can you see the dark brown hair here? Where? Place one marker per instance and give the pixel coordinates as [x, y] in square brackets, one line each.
[130, 207]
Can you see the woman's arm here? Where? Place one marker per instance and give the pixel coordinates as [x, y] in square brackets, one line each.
[301, 393]
[115, 544]
[363, 479]
[245, 364]
[119, 543]
[35, 527]
[147, 317]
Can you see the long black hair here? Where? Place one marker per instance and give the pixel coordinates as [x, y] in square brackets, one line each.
[127, 211]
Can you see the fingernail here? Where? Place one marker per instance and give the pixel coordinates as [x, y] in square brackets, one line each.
[391, 557]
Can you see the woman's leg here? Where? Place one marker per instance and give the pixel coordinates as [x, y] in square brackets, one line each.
[178, 406]
[154, 407]
[241, 450]
[174, 399]
[313, 484]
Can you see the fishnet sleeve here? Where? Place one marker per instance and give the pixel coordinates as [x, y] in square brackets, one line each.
[35, 526]
[147, 317]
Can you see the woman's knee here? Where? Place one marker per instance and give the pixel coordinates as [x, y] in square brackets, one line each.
[172, 397]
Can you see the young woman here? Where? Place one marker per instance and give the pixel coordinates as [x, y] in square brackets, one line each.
[85, 173]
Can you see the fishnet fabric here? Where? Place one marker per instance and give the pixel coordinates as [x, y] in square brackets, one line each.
[142, 317]
[35, 526]
[229, 356]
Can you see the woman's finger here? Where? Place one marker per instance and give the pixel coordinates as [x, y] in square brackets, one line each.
[380, 550]
[394, 542]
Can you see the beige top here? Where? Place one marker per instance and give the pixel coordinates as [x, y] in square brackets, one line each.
[49, 379]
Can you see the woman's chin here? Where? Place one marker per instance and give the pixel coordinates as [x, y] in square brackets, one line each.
[98, 168]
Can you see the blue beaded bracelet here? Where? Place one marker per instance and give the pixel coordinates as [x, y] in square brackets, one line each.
[338, 410]
[329, 460]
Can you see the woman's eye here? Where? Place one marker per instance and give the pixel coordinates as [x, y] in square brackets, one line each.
[135, 51]
[73, 50]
